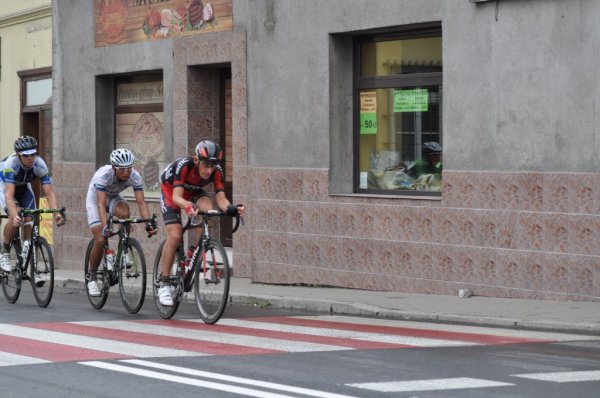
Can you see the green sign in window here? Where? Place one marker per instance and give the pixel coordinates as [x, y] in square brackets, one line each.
[414, 100]
[368, 123]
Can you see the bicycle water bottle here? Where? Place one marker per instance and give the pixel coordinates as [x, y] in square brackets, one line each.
[25, 250]
[110, 259]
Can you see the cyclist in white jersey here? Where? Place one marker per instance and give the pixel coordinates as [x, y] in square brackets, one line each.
[103, 199]
[17, 171]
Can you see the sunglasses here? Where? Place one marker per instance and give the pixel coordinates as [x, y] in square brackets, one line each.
[208, 165]
[123, 169]
[28, 156]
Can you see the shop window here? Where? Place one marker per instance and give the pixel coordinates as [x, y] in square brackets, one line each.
[139, 126]
[398, 112]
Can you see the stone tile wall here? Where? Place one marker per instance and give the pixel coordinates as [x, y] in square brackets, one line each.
[525, 235]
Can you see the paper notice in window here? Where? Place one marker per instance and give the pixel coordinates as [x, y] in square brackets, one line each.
[414, 100]
[368, 112]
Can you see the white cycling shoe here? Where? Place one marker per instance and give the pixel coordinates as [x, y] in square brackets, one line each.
[5, 262]
[164, 296]
[93, 289]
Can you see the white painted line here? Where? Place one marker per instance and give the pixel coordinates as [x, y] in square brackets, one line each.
[93, 343]
[563, 377]
[235, 379]
[429, 385]
[217, 337]
[246, 392]
[8, 359]
[346, 334]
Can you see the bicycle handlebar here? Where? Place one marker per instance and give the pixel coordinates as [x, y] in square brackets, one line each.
[32, 212]
[212, 213]
[131, 220]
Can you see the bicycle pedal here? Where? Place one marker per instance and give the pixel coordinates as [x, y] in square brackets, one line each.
[40, 283]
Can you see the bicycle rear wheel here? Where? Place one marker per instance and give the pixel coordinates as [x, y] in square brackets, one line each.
[103, 279]
[42, 272]
[11, 281]
[176, 283]
[132, 280]
[211, 281]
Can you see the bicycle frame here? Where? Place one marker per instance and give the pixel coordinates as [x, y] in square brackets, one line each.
[123, 232]
[200, 245]
[35, 233]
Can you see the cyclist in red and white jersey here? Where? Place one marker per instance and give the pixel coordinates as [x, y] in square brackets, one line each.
[182, 188]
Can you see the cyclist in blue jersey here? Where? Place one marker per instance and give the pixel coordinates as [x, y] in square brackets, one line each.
[17, 171]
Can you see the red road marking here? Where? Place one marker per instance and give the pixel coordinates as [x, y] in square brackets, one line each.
[54, 352]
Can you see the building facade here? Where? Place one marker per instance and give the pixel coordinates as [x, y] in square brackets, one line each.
[25, 72]
[326, 111]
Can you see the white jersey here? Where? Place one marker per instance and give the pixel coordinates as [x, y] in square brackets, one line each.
[105, 180]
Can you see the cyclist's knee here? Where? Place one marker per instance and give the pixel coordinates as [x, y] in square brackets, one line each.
[173, 238]
[99, 240]
[121, 209]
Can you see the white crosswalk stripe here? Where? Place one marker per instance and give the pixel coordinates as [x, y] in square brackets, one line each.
[430, 385]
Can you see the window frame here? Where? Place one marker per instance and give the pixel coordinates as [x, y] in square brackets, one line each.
[359, 83]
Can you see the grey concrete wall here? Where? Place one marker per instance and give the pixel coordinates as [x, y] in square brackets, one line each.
[520, 80]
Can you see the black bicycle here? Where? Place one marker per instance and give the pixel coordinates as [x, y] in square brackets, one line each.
[127, 267]
[38, 264]
[204, 267]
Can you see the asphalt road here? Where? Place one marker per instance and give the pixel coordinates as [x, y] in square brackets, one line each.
[260, 352]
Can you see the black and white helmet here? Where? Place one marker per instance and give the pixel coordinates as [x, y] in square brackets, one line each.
[26, 145]
[121, 157]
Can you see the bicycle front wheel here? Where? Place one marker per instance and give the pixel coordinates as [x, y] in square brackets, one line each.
[211, 281]
[102, 278]
[167, 312]
[132, 276]
[11, 281]
[42, 272]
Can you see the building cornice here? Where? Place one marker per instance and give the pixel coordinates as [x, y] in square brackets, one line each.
[26, 15]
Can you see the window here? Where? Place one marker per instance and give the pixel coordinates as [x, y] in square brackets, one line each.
[398, 112]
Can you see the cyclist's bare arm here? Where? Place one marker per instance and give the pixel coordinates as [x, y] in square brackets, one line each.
[49, 192]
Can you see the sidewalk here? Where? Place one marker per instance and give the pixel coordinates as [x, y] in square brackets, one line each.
[583, 317]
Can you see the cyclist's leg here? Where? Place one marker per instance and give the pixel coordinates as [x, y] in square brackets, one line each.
[172, 218]
[204, 202]
[93, 219]
[95, 255]
[27, 200]
[19, 197]
[5, 248]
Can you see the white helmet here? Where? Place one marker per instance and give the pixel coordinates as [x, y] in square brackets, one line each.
[121, 157]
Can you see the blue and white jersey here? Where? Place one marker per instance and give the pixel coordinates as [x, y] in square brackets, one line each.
[12, 171]
[105, 180]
